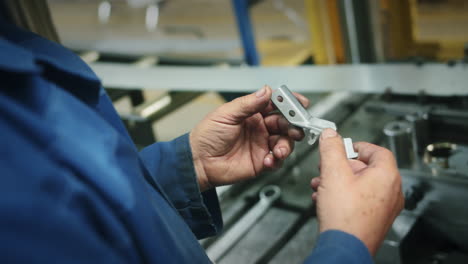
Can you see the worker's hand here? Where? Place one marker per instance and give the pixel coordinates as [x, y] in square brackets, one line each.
[361, 197]
[240, 139]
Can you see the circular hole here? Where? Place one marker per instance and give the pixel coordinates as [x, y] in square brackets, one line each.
[396, 127]
[292, 113]
[441, 150]
[269, 193]
[438, 154]
[280, 98]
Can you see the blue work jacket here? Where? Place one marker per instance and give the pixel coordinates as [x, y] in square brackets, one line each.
[73, 187]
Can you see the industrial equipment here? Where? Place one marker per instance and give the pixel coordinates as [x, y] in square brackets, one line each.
[429, 136]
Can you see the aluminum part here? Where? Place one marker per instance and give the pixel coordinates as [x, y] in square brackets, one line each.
[437, 155]
[350, 153]
[420, 130]
[298, 116]
[399, 134]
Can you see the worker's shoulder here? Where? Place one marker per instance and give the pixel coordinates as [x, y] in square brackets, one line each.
[25, 51]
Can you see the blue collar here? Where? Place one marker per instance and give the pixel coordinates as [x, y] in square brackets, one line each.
[16, 59]
[26, 52]
[25, 48]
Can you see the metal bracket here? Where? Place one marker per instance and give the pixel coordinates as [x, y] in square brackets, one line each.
[298, 116]
[350, 153]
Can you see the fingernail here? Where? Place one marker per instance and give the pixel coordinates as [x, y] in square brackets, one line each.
[268, 161]
[283, 152]
[328, 133]
[261, 92]
[315, 180]
[278, 153]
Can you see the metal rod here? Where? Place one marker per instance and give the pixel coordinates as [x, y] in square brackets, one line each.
[241, 10]
[375, 78]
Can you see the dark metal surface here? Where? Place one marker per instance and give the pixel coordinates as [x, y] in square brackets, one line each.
[268, 195]
[436, 195]
[433, 229]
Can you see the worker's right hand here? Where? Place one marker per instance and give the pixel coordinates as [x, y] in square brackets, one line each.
[361, 197]
[241, 139]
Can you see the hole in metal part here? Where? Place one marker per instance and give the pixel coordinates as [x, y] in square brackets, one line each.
[292, 113]
[441, 150]
[270, 192]
[280, 98]
[438, 154]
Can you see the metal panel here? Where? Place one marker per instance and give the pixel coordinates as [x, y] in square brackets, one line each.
[434, 79]
[300, 246]
[261, 237]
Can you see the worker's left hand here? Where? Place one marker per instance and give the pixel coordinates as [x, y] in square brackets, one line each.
[240, 139]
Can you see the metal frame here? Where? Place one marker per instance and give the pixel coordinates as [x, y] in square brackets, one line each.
[432, 79]
[241, 11]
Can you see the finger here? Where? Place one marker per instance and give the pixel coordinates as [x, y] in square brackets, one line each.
[277, 124]
[356, 165]
[282, 147]
[334, 163]
[271, 107]
[268, 109]
[302, 99]
[314, 183]
[270, 162]
[375, 156]
[243, 107]
[296, 133]
[272, 140]
[314, 196]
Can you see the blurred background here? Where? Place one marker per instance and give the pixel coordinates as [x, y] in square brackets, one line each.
[275, 33]
[287, 32]
[391, 72]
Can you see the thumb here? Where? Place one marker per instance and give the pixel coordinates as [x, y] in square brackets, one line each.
[243, 107]
[333, 161]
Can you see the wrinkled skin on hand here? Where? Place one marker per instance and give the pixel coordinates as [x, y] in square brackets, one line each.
[361, 197]
[241, 139]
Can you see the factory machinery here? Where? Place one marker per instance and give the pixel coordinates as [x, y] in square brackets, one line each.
[420, 112]
[272, 219]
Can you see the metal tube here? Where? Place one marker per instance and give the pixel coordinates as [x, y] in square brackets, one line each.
[241, 9]
[400, 142]
[352, 32]
[420, 131]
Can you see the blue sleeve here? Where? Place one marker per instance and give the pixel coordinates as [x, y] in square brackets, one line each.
[171, 164]
[336, 247]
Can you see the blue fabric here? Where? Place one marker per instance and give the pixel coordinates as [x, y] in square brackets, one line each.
[337, 247]
[73, 187]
